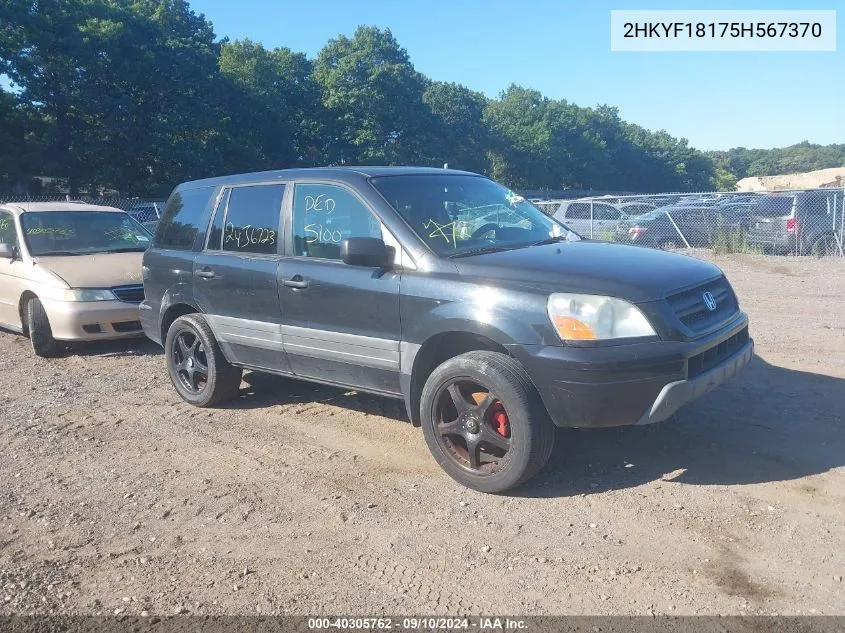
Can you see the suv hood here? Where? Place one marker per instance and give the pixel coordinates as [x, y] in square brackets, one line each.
[633, 273]
[102, 270]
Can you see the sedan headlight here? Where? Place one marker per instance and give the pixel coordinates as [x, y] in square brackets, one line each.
[579, 317]
[89, 294]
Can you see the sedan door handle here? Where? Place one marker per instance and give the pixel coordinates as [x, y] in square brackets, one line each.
[296, 282]
[205, 274]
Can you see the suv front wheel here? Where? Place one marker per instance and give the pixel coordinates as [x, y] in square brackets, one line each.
[484, 421]
[197, 367]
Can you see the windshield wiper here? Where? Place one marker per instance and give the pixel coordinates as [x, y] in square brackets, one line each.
[551, 240]
[59, 253]
[126, 249]
[483, 250]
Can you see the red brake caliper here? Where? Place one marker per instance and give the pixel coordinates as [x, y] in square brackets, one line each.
[499, 419]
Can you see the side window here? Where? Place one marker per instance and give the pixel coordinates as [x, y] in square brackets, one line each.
[215, 234]
[605, 212]
[578, 211]
[182, 218]
[324, 215]
[252, 219]
[7, 229]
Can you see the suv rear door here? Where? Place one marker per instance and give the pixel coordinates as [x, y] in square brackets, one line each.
[340, 323]
[769, 223]
[235, 275]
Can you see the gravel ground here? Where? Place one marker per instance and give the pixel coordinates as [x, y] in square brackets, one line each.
[117, 497]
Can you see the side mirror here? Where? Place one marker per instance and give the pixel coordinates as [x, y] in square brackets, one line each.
[366, 251]
[7, 251]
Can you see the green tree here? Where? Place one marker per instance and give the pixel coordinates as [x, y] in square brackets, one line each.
[521, 139]
[125, 89]
[373, 97]
[15, 161]
[798, 158]
[273, 109]
[459, 136]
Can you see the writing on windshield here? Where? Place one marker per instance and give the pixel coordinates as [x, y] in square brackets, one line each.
[80, 232]
[456, 213]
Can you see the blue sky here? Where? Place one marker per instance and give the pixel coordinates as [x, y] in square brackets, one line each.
[562, 48]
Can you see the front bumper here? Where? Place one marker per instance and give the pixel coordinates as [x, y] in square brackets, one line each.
[642, 383]
[92, 320]
[676, 394]
[150, 322]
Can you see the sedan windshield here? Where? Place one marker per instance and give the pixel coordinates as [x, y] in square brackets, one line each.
[464, 215]
[82, 233]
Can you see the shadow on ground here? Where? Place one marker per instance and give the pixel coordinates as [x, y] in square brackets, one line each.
[136, 346]
[769, 424]
[267, 390]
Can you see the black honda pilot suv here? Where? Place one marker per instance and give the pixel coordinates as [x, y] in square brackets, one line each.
[493, 322]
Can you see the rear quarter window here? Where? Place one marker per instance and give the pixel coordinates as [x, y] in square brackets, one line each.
[184, 217]
[774, 206]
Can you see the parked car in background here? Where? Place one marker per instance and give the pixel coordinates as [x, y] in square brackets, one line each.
[590, 218]
[358, 277]
[801, 222]
[661, 200]
[146, 213]
[635, 208]
[70, 272]
[679, 225]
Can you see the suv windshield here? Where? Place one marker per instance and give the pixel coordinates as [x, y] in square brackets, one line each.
[457, 214]
[82, 233]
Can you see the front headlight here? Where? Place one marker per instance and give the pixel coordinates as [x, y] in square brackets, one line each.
[89, 294]
[579, 317]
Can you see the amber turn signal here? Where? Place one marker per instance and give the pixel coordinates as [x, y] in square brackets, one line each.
[571, 329]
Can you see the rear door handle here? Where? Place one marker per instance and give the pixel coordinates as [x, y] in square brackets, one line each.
[205, 274]
[296, 282]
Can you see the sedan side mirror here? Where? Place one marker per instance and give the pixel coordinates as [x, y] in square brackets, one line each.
[366, 251]
[7, 251]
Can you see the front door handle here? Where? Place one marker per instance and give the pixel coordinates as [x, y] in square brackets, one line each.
[205, 274]
[296, 282]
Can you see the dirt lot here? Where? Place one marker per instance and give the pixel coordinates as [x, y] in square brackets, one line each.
[117, 497]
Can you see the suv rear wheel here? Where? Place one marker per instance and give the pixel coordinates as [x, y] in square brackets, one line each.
[197, 368]
[484, 422]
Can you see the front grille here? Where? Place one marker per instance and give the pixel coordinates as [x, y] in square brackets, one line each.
[129, 294]
[690, 308]
[127, 326]
[708, 359]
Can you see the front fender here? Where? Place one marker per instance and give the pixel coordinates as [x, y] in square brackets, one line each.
[505, 316]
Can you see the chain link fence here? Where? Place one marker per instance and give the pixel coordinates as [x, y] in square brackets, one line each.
[145, 210]
[783, 222]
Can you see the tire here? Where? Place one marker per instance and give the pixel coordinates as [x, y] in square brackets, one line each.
[190, 337]
[825, 246]
[40, 332]
[531, 432]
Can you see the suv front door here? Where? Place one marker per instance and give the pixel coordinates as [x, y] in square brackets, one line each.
[340, 323]
[235, 275]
